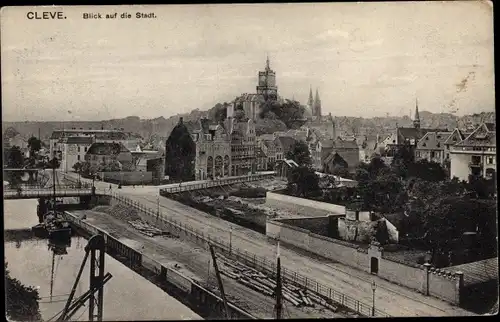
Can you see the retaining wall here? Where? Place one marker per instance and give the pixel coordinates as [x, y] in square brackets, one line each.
[128, 177]
[422, 278]
[303, 206]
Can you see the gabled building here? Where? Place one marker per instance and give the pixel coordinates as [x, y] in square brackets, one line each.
[431, 147]
[475, 155]
[73, 150]
[323, 148]
[261, 160]
[104, 154]
[213, 150]
[344, 154]
[455, 137]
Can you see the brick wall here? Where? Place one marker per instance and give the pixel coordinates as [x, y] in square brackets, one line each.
[303, 206]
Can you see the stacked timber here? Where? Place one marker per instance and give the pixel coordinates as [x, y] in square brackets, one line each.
[146, 229]
[265, 284]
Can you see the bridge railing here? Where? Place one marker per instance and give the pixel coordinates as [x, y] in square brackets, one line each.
[215, 183]
[35, 193]
[258, 262]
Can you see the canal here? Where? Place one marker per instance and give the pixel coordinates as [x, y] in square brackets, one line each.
[127, 296]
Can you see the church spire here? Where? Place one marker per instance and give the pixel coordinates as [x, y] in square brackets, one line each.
[268, 66]
[416, 120]
[317, 104]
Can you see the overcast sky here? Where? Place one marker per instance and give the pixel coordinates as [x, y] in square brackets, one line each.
[366, 59]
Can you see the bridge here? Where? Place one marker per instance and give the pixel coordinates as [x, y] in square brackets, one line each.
[204, 184]
[35, 193]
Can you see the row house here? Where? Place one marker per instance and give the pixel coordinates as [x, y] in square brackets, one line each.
[261, 160]
[243, 144]
[213, 150]
[475, 155]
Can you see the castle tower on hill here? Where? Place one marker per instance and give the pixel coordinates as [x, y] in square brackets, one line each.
[267, 83]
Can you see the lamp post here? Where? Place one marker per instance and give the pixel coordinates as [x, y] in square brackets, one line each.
[230, 239]
[374, 286]
[158, 210]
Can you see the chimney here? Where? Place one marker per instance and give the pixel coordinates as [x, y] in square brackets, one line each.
[181, 119]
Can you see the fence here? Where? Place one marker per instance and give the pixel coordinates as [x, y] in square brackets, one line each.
[216, 183]
[253, 260]
[136, 260]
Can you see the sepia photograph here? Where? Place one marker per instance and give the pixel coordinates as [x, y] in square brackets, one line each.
[249, 161]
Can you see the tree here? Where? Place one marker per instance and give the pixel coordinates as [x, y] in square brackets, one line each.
[341, 171]
[15, 158]
[289, 112]
[299, 153]
[22, 301]
[54, 163]
[34, 145]
[77, 167]
[303, 181]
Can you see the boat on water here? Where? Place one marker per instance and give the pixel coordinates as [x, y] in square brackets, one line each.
[53, 226]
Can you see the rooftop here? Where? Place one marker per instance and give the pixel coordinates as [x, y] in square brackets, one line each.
[107, 148]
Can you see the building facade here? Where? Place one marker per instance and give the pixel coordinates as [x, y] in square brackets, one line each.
[475, 155]
[104, 155]
[213, 151]
[431, 147]
[73, 150]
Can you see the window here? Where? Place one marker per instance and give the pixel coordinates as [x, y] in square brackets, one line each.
[78, 148]
[78, 157]
[433, 154]
[490, 160]
[85, 149]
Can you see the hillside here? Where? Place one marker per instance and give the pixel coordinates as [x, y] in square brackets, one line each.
[160, 127]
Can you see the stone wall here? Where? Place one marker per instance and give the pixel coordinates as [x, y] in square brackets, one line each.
[422, 278]
[303, 206]
[128, 178]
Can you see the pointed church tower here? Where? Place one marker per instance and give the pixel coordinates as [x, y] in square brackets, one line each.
[310, 101]
[317, 105]
[416, 120]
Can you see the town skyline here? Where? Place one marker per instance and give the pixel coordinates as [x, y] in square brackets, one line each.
[344, 51]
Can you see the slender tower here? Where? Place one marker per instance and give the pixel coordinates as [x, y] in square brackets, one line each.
[317, 105]
[310, 102]
[416, 120]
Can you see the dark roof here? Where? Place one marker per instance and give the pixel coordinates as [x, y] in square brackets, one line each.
[99, 134]
[286, 142]
[482, 136]
[433, 141]
[10, 132]
[344, 144]
[336, 159]
[77, 140]
[411, 133]
[107, 148]
[491, 126]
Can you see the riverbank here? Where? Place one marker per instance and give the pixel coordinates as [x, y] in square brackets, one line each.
[127, 296]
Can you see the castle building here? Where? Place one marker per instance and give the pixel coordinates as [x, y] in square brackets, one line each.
[251, 103]
[267, 83]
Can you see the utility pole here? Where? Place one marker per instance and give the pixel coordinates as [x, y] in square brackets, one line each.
[219, 280]
[278, 306]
